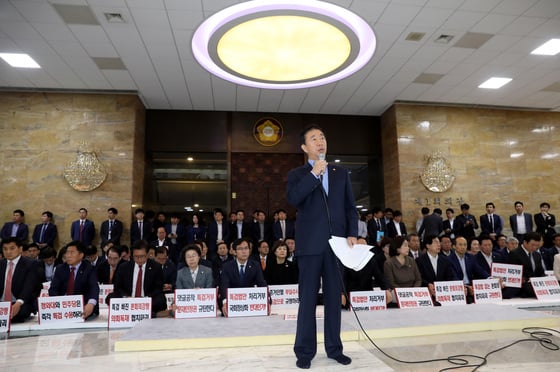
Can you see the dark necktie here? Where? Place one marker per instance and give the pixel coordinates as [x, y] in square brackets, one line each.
[138, 290]
[81, 230]
[378, 224]
[491, 223]
[242, 272]
[42, 232]
[70, 286]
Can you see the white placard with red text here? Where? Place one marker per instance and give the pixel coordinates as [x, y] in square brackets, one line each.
[368, 300]
[409, 298]
[104, 290]
[196, 303]
[546, 288]
[284, 296]
[5, 314]
[127, 312]
[251, 301]
[61, 309]
[487, 291]
[511, 275]
[450, 293]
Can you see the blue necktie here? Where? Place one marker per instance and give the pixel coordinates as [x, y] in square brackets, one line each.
[242, 272]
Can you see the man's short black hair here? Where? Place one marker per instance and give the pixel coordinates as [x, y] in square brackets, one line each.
[78, 244]
[544, 204]
[19, 211]
[113, 210]
[48, 213]
[12, 239]
[306, 129]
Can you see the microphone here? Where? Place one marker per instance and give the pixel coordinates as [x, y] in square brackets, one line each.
[322, 157]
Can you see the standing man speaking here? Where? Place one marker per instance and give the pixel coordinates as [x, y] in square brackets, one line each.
[324, 200]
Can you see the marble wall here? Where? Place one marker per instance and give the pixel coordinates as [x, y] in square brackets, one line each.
[497, 155]
[40, 133]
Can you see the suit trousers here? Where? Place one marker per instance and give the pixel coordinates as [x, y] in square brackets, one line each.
[311, 269]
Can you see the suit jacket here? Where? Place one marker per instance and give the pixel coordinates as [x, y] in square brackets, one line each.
[88, 232]
[447, 226]
[230, 277]
[204, 278]
[212, 236]
[513, 223]
[481, 261]
[116, 232]
[26, 284]
[277, 230]
[545, 226]
[49, 236]
[85, 282]
[181, 232]
[305, 192]
[245, 231]
[444, 270]
[135, 231]
[465, 230]
[392, 230]
[474, 271]
[103, 271]
[372, 229]
[196, 233]
[22, 232]
[431, 225]
[169, 273]
[486, 227]
[519, 257]
[268, 235]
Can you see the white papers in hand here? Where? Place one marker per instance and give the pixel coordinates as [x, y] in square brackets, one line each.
[353, 258]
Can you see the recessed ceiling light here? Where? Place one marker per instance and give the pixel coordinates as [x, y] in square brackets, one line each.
[337, 160]
[550, 48]
[19, 60]
[424, 124]
[516, 155]
[190, 158]
[550, 156]
[495, 83]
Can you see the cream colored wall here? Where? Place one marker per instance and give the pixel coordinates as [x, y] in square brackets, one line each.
[479, 144]
[41, 132]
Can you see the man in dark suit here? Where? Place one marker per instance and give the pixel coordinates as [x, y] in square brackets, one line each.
[177, 234]
[529, 257]
[465, 266]
[491, 223]
[140, 277]
[396, 227]
[19, 280]
[111, 229]
[450, 226]
[376, 226]
[282, 228]
[521, 223]
[16, 228]
[218, 231]
[106, 270]
[240, 272]
[239, 228]
[545, 222]
[433, 266]
[76, 276]
[261, 229]
[488, 255]
[323, 196]
[432, 225]
[83, 230]
[168, 269]
[466, 222]
[141, 229]
[46, 232]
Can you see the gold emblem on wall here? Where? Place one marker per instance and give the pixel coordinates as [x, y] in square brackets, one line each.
[268, 131]
[438, 175]
[85, 173]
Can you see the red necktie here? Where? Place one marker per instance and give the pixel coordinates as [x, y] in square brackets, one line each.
[138, 291]
[81, 230]
[8, 288]
[70, 287]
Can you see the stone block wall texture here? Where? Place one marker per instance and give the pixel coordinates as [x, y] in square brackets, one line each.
[40, 133]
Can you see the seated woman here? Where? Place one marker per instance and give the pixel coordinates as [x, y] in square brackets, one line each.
[279, 270]
[400, 269]
[193, 275]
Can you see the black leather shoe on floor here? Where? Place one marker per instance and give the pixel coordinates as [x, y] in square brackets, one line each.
[303, 363]
[343, 359]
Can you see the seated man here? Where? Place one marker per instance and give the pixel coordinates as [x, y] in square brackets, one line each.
[77, 277]
[528, 256]
[48, 258]
[168, 268]
[465, 266]
[140, 277]
[433, 266]
[106, 270]
[19, 281]
[240, 272]
[488, 255]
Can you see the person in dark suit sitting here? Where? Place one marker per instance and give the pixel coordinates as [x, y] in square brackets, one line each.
[16, 228]
[219, 260]
[465, 266]
[395, 227]
[433, 266]
[19, 280]
[46, 232]
[140, 277]
[111, 229]
[487, 255]
[239, 273]
[106, 270]
[168, 268]
[76, 276]
[528, 256]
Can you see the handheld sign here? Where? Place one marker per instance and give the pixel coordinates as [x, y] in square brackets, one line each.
[61, 309]
[284, 296]
[414, 297]
[251, 301]
[511, 274]
[546, 288]
[368, 300]
[127, 312]
[104, 290]
[5, 316]
[451, 293]
[196, 303]
[487, 291]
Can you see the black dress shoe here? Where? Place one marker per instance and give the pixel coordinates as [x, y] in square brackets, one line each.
[303, 363]
[342, 359]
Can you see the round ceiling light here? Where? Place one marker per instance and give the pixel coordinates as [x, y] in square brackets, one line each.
[289, 44]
